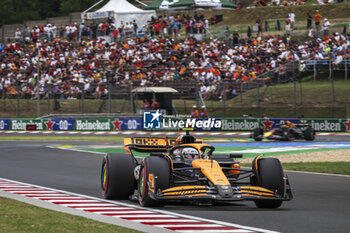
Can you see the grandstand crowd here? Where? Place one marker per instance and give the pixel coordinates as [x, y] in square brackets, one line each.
[49, 60]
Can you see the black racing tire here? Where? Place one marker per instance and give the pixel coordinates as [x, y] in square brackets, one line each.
[160, 169]
[270, 176]
[309, 134]
[117, 176]
[257, 134]
[290, 136]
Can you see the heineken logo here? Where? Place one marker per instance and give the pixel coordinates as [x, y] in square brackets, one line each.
[92, 125]
[240, 125]
[326, 125]
[22, 125]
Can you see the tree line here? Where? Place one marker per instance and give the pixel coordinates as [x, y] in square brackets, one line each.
[18, 11]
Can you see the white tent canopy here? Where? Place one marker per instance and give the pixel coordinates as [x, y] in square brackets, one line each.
[120, 6]
[123, 11]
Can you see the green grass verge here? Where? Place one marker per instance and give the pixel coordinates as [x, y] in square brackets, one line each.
[17, 216]
[342, 168]
[322, 167]
[313, 100]
[248, 15]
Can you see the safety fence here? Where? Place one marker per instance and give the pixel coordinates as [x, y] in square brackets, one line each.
[222, 99]
[167, 124]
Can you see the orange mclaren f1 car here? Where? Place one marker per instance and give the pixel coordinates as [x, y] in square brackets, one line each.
[185, 169]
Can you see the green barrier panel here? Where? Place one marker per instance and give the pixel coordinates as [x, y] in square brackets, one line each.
[328, 125]
[21, 124]
[93, 124]
[240, 124]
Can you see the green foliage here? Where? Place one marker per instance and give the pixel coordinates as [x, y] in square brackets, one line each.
[18, 11]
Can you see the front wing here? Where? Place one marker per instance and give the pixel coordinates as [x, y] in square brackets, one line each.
[204, 192]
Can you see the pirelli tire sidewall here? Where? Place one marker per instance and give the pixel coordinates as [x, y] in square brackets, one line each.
[270, 175]
[117, 176]
[158, 168]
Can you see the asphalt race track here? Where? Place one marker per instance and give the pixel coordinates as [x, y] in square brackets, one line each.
[321, 202]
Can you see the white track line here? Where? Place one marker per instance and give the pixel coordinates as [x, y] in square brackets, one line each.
[152, 212]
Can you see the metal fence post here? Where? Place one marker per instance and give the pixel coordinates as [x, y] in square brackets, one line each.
[131, 98]
[257, 101]
[224, 100]
[333, 94]
[294, 99]
[109, 94]
[18, 99]
[294, 92]
[48, 99]
[197, 91]
[314, 71]
[38, 103]
[82, 99]
[241, 91]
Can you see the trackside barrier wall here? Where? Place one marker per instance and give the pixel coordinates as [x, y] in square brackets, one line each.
[69, 124]
[120, 124]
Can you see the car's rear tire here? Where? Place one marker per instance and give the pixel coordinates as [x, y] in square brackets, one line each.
[309, 134]
[159, 167]
[117, 176]
[270, 176]
[290, 136]
[258, 134]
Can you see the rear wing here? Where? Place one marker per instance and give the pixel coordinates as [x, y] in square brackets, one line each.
[150, 144]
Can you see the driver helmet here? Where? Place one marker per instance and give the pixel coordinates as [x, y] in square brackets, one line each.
[190, 153]
[178, 140]
[289, 124]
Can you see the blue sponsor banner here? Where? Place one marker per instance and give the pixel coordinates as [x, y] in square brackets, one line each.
[276, 122]
[5, 124]
[131, 124]
[60, 124]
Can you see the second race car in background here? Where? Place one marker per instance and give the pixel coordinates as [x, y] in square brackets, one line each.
[286, 132]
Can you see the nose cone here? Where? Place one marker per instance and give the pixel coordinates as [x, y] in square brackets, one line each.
[225, 191]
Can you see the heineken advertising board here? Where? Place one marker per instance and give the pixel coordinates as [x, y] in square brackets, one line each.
[108, 124]
[86, 124]
[5, 124]
[168, 124]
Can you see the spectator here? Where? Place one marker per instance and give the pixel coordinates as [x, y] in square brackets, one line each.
[276, 2]
[326, 25]
[309, 21]
[317, 22]
[259, 26]
[291, 17]
[194, 112]
[204, 113]
[155, 104]
[146, 104]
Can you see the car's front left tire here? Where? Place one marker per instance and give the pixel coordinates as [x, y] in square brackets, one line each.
[155, 175]
[270, 176]
[117, 176]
